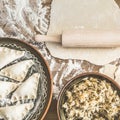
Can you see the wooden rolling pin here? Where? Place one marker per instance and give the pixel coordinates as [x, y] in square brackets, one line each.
[84, 38]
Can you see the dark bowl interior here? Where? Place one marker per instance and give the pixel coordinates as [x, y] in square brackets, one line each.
[68, 86]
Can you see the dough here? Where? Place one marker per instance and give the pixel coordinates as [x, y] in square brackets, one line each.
[6, 88]
[28, 89]
[117, 75]
[17, 71]
[109, 70]
[7, 55]
[17, 112]
[81, 14]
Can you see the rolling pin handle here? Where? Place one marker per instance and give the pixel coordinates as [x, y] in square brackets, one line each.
[48, 38]
[84, 38]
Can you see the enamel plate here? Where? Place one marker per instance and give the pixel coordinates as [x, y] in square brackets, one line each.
[25, 82]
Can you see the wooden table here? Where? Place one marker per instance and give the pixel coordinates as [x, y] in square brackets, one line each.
[118, 2]
[52, 113]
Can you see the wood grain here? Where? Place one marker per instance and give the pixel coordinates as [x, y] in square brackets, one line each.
[118, 2]
[52, 113]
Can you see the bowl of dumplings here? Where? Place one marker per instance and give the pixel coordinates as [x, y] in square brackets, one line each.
[89, 96]
[25, 82]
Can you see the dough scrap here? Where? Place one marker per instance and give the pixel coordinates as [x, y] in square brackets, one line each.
[17, 71]
[28, 89]
[7, 55]
[17, 112]
[117, 75]
[84, 14]
[6, 88]
[108, 70]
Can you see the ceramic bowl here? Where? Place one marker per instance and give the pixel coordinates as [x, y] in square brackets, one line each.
[76, 80]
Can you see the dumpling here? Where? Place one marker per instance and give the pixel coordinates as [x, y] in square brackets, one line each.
[7, 55]
[6, 88]
[17, 112]
[28, 89]
[17, 71]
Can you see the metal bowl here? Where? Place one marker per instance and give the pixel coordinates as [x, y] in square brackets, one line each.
[44, 94]
[76, 80]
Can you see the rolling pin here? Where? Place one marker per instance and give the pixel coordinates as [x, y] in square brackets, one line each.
[84, 38]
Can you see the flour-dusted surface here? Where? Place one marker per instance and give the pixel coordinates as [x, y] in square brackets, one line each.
[23, 19]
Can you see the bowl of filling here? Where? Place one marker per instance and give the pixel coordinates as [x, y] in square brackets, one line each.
[89, 96]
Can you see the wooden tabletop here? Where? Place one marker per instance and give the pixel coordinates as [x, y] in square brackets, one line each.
[118, 2]
[52, 113]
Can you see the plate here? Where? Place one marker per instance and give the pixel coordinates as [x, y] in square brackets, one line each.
[44, 92]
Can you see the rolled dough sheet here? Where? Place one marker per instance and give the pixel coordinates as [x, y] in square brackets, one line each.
[82, 14]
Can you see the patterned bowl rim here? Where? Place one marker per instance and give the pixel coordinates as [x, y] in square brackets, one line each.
[75, 78]
[48, 69]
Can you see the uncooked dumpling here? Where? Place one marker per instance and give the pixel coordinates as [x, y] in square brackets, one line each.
[17, 112]
[84, 14]
[17, 71]
[6, 88]
[28, 89]
[7, 55]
